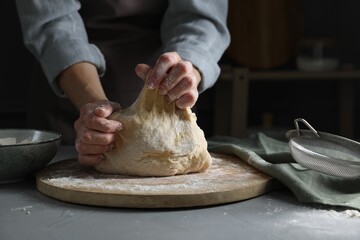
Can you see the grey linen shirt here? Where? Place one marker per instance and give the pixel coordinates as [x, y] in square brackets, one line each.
[55, 34]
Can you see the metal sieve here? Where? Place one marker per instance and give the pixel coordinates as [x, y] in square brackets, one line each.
[323, 152]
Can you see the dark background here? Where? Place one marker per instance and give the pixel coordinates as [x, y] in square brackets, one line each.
[283, 100]
[316, 100]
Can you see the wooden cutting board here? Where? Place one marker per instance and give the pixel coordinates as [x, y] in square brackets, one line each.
[228, 180]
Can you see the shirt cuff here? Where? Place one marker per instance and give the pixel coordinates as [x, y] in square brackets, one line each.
[59, 57]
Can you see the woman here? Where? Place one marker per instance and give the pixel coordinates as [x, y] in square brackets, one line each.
[178, 43]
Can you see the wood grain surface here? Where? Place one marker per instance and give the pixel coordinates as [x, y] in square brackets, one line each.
[228, 180]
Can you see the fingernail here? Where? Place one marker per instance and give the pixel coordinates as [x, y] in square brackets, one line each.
[102, 156]
[150, 83]
[167, 82]
[111, 146]
[99, 108]
[119, 127]
[162, 91]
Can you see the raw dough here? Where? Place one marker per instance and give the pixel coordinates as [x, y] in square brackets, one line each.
[158, 139]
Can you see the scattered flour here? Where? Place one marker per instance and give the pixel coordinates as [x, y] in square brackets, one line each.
[346, 213]
[23, 209]
[272, 209]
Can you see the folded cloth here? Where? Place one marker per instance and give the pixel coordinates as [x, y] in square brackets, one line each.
[273, 157]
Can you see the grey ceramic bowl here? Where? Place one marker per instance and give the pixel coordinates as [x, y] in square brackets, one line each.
[23, 151]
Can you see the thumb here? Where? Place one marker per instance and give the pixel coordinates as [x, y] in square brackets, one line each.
[105, 109]
[142, 70]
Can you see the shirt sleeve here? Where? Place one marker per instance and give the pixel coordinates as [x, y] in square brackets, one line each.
[197, 31]
[54, 33]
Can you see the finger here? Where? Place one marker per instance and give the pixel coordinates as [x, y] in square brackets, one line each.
[106, 108]
[84, 148]
[94, 149]
[90, 159]
[184, 86]
[93, 117]
[187, 100]
[162, 66]
[179, 71]
[142, 71]
[89, 136]
[102, 124]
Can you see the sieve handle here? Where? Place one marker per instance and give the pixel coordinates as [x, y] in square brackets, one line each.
[296, 122]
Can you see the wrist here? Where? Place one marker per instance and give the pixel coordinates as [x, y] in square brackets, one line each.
[81, 84]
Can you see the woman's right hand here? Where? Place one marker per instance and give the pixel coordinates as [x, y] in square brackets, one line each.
[95, 133]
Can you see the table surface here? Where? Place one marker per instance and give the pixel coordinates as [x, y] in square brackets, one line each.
[25, 213]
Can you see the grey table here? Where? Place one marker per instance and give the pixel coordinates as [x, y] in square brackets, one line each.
[25, 213]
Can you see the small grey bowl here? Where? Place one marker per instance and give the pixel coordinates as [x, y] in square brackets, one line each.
[24, 151]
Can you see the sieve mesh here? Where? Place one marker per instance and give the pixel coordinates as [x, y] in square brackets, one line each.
[324, 163]
[324, 152]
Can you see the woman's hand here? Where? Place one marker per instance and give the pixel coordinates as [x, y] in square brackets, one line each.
[176, 78]
[95, 134]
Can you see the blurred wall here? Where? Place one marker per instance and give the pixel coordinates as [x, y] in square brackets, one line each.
[15, 68]
[335, 19]
[316, 101]
[323, 18]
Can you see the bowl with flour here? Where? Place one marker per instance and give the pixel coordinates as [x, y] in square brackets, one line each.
[24, 151]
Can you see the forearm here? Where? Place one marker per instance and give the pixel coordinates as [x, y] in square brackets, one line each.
[54, 33]
[81, 84]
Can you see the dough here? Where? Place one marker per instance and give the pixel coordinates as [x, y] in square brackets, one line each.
[158, 139]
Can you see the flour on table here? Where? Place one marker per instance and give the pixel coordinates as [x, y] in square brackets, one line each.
[350, 213]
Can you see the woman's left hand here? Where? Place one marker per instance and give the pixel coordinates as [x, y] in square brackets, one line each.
[176, 78]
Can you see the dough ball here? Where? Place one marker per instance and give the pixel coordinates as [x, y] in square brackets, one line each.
[158, 139]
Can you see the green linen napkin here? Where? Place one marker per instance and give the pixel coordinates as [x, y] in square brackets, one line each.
[273, 157]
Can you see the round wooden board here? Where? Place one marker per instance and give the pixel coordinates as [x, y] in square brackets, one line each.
[228, 180]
